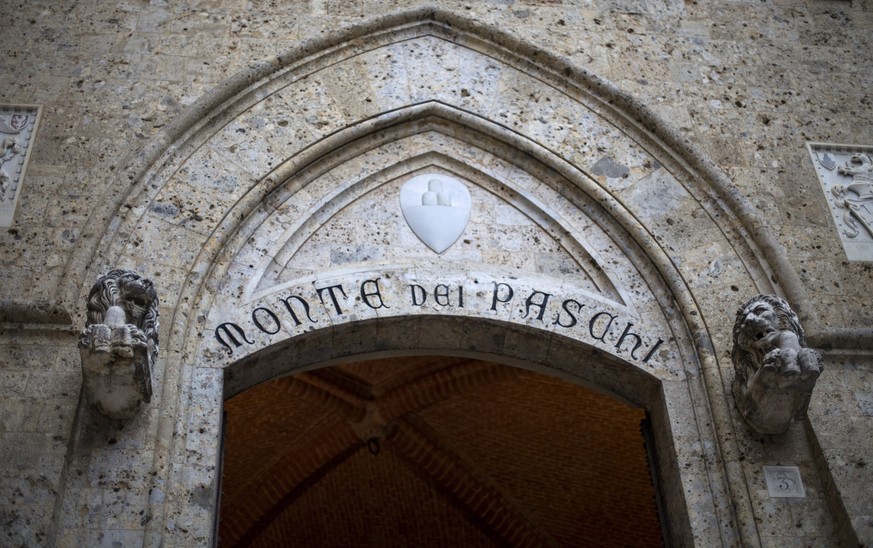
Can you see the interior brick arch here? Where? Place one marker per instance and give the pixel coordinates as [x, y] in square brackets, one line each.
[419, 390]
[430, 450]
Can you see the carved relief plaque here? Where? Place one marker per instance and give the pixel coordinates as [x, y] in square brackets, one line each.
[846, 176]
[17, 127]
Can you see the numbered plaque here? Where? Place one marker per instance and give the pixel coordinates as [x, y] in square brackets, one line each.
[784, 482]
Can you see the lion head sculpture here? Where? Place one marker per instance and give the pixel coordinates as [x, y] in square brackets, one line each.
[775, 371]
[756, 328]
[134, 294]
[119, 344]
[859, 163]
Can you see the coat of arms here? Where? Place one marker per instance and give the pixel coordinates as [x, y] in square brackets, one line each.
[437, 208]
[846, 176]
[14, 124]
[856, 197]
[17, 128]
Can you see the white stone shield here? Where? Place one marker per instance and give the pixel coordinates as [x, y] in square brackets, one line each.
[437, 208]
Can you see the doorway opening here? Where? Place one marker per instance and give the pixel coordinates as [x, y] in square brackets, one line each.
[434, 451]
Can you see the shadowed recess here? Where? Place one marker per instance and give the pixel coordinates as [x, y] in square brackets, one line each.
[433, 451]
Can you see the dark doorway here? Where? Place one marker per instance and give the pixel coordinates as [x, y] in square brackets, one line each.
[434, 451]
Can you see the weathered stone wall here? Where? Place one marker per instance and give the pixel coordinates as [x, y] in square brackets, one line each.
[746, 82]
[842, 420]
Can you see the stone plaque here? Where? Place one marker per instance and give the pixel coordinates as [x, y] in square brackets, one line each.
[17, 128]
[846, 176]
[784, 482]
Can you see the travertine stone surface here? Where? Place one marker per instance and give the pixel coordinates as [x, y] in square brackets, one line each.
[841, 410]
[645, 159]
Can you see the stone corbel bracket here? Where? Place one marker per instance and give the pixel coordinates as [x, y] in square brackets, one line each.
[119, 345]
[775, 371]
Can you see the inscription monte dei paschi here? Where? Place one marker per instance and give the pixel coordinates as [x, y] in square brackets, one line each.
[588, 320]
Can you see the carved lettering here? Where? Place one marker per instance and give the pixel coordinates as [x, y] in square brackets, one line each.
[226, 326]
[496, 296]
[366, 294]
[603, 326]
[628, 333]
[565, 305]
[287, 303]
[652, 351]
[541, 305]
[594, 320]
[418, 291]
[330, 290]
[441, 294]
[270, 315]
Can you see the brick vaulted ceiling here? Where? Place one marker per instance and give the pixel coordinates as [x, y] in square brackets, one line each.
[433, 451]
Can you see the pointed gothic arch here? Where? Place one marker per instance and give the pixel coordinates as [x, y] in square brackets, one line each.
[215, 189]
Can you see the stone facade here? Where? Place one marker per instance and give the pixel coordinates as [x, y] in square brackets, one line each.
[637, 170]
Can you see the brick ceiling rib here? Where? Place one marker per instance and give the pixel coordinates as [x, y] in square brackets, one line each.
[276, 486]
[465, 449]
[422, 448]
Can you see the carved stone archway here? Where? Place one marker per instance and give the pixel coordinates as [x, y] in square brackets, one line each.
[253, 218]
